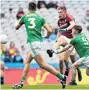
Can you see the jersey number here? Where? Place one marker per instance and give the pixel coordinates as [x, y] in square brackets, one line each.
[85, 41]
[32, 23]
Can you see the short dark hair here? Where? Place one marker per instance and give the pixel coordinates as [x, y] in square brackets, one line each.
[78, 28]
[62, 7]
[32, 6]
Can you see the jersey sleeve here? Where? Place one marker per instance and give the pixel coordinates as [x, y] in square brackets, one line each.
[70, 18]
[21, 20]
[73, 41]
[43, 21]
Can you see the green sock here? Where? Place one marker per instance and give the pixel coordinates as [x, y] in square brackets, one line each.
[73, 81]
[22, 79]
[60, 76]
[61, 72]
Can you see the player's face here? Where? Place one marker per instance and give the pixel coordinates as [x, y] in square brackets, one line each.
[62, 13]
[74, 32]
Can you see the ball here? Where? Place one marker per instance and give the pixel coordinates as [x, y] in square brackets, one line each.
[3, 39]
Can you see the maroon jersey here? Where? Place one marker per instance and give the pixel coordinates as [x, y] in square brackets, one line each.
[65, 23]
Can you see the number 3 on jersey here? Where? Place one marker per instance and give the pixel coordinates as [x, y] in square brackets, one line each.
[32, 23]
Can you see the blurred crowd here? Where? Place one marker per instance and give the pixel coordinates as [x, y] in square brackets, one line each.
[44, 4]
[20, 13]
[86, 19]
[12, 54]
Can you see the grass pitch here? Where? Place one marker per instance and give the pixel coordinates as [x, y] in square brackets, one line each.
[47, 87]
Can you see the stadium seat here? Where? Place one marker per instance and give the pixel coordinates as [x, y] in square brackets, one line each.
[51, 16]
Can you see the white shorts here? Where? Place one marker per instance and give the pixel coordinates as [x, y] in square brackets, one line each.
[84, 61]
[67, 39]
[72, 50]
[35, 48]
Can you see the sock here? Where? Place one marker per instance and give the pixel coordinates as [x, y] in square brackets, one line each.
[61, 72]
[22, 79]
[73, 81]
[67, 72]
[60, 76]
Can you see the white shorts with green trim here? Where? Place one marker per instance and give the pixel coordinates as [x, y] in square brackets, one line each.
[84, 61]
[35, 48]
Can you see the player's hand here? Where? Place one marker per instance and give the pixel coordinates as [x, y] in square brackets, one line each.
[62, 30]
[56, 46]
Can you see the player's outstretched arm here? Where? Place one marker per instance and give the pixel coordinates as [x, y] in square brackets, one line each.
[65, 48]
[50, 51]
[49, 30]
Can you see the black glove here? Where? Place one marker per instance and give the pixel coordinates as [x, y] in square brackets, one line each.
[50, 52]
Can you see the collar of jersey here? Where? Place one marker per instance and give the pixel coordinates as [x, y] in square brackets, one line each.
[32, 12]
[78, 34]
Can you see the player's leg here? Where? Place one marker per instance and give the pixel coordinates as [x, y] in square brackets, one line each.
[86, 63]
[60, 41]
[87, 71]
[56, 47]
[26, 67]
[74, 66]
[81, 61]
[67, 63]
[63, 56]
[36, 48]
[61, 66]
[73, 59]
[50, 69]
[47, 67]
[25, 71]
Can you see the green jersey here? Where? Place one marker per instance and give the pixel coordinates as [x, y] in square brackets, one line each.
[33, 24]
[81, 44]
